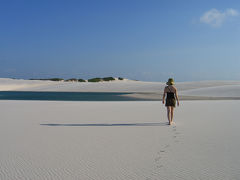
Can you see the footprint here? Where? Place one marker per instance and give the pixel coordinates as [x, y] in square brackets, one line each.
[167, 146]
[158, 158]
[159, 166]
[160, 152]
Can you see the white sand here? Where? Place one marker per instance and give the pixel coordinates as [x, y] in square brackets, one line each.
[113, 86]
[117, 140]
[7, 84]
[202, 88]
[219, 91]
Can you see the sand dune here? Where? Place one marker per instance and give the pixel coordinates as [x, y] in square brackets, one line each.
[201, 88]
[219, 91]
[118, 140]
[7, 84]
[114, 86]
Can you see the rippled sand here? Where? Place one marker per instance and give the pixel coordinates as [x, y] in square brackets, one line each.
[118, 140]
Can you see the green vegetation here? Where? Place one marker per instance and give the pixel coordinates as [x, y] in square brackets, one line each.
[72, 79]
[81, 80]
[56, 79]
[50, 79]
[108, 79]
[101, 79]
[95, 80]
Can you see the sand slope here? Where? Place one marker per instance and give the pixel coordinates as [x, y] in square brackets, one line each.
[118, 140]
[153, 89]
[7, 84]
[219, 91]
[114, 86]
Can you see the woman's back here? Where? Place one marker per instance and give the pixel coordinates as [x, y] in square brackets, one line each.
[170, 90]
[170, 95]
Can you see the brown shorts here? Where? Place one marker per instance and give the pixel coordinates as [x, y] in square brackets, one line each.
[170, 102]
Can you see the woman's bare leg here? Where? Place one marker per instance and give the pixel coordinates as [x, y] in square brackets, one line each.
[169, 114]
[172, 108]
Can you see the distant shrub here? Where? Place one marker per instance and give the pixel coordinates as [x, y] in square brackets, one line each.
[72, 79]
[56, 79]
[50, 79]
[81, 80]
[95, 80]
[120, 78]
[108, 79]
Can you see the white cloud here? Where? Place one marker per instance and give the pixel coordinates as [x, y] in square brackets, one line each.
[232, 12]
[216, 18]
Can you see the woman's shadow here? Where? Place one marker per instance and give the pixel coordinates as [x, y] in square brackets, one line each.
[106, 124]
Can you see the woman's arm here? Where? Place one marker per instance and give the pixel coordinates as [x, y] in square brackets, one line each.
[176, 94]
[163, 98]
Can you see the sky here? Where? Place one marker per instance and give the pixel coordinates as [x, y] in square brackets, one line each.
[148, 40]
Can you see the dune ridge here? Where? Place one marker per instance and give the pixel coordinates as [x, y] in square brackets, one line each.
[147, 90]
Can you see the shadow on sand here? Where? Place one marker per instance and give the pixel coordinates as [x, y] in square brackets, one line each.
[130, 124]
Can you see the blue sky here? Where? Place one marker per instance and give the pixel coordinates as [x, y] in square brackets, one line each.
[148, 40]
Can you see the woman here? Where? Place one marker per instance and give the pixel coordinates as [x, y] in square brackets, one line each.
[172, 95]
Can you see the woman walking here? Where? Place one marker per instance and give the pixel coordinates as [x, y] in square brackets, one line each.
[172, 95]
